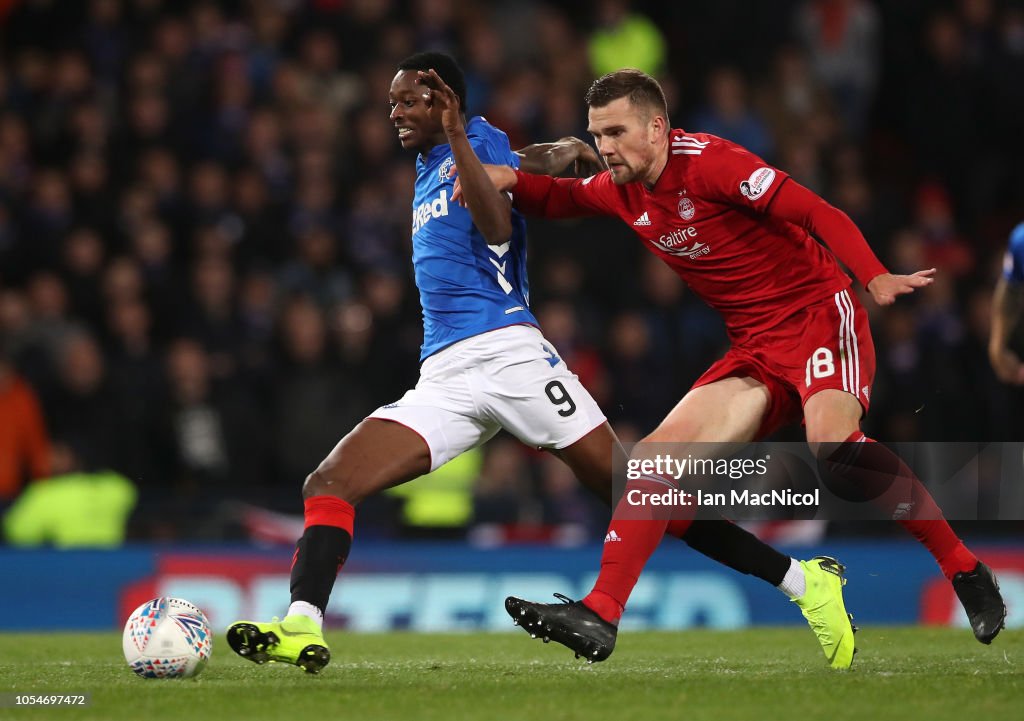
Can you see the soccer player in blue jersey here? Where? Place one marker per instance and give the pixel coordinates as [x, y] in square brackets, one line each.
[1006, 313]
[485, 367]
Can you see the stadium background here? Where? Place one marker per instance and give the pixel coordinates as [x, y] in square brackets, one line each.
[205, 277]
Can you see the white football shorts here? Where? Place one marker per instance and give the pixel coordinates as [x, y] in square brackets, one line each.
[510, 378]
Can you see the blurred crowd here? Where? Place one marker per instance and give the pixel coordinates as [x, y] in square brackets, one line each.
[205, 278]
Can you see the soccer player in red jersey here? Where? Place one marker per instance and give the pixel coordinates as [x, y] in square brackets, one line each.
[743, 235]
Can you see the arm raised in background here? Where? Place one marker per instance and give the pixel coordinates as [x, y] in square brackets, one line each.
[1007, 312]
[490, 210]
[1007, 302]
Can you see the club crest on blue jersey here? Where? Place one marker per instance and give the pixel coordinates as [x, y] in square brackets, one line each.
[442, 172]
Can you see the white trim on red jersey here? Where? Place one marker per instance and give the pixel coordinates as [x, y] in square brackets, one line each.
[850, 359]
[686, 145]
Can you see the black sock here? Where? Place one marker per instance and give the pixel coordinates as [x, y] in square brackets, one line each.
[738, 549]
[319, 555]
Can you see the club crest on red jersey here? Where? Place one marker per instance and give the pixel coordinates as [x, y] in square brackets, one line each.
[686, 208]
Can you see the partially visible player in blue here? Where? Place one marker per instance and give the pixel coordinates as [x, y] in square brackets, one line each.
[1007, 309]
[485, 367]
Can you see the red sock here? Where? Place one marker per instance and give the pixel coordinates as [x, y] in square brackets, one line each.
[633, 535]
[927, 524]
[322, 550]
[329, 511]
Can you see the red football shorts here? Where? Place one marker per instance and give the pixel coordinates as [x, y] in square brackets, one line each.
[825, 345]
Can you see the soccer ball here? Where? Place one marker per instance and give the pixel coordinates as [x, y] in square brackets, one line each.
[167, 638]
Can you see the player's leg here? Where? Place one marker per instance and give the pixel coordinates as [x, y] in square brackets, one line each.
[377, 454]
[540, 401]
[591, 459]
[726, 405]
[729, 410]
[723, 540]
[833, 430]
[719, 539]
[429, 426]
[833, 373]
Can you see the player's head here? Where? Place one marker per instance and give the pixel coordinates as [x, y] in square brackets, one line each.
[628, 117]
[419, 127]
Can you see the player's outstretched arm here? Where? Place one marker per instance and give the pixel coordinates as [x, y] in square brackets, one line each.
[1006, 313]
[489, 208]
[502, 177]
[796, 204]
[554, 158]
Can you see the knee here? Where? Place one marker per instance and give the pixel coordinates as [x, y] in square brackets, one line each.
[819, 437]
[331, 480]
[827, 448]
[831, 417]
[316, 484]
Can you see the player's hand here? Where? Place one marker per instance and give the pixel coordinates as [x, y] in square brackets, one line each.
[1007, 365]
[588, 162]
[502, 176]
[438, 95]
[886, 287]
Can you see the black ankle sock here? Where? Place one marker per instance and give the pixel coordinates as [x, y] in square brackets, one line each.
[738, 549]
[319, 555]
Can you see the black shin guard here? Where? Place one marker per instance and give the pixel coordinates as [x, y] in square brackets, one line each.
[319, 556]
[738, 549]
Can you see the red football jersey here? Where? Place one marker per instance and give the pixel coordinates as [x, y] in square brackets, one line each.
[710, 218]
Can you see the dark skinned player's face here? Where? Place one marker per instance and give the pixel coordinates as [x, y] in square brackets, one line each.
[419, 126]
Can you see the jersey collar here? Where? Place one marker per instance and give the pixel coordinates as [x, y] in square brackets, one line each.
[473, 126]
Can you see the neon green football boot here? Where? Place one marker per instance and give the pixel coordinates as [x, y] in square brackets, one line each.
[823, 607]
[295, 639]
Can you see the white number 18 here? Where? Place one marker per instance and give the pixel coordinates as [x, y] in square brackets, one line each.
[820, 365]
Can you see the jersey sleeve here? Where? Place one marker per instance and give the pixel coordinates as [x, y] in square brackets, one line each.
[493, 148]
[796, 204]
[565, 197]
[1013, 263]
[734, 175]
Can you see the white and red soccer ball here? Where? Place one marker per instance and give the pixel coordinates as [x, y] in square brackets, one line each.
[167, 638]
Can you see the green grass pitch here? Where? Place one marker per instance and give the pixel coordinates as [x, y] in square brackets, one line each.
[778, 673]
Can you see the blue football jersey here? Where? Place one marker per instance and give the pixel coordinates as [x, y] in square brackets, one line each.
[467, 287]
[1013, 263]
